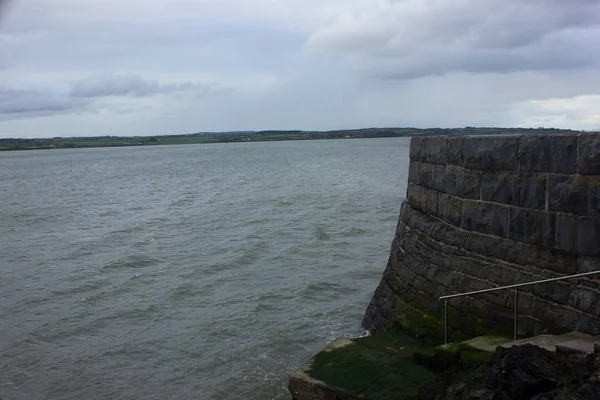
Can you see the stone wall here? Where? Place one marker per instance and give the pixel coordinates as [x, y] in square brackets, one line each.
[482, 212]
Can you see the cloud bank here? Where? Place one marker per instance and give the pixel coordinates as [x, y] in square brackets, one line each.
[188, 66]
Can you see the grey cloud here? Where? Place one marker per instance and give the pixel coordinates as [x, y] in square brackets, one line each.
[83, 95]
[103, 85]
[36, 102]
[409, 39]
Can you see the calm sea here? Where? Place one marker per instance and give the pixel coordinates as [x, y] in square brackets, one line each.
[188, 272]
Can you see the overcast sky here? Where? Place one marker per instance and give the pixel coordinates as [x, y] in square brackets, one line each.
[148, 67]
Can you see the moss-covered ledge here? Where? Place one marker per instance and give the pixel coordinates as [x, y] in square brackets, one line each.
[372, 368]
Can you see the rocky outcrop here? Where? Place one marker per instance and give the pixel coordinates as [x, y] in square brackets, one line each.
[522, 372]
[483, 212]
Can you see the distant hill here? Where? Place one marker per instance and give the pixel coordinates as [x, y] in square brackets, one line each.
[257, 136]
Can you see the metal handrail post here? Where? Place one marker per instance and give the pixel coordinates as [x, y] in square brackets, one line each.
[516, 313]
[446, 322]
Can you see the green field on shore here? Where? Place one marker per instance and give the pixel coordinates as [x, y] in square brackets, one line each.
[252, 136]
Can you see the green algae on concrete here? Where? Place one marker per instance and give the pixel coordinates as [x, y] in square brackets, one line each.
[428, 327]
[471, 352]
[377, 367]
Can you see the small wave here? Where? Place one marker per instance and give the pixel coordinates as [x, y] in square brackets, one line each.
[355, 232]
[138, 261]
[322, 289]
[320, 234]
[184, 291]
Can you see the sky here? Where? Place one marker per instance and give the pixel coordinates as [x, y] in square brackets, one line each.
[150, 67]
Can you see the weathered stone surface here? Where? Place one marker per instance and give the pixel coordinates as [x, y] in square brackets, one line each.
[439, 178]
[524, 190]
[462, 182]
[426, 175]
[588, 236]
[533, 227]
[491, 219]
[588, 162]
[452, 148]
[422, 199]
[579, 235]
[566, 228]
[582, 299]
[414, 171]
[557, 153]
[594, 195]
[588, 264]
[568, 194]
[427, 149]
[450, 209]
[491, 153]
[520, 372]
[551, 260]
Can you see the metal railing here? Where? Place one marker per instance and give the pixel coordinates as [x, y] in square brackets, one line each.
[516, 294]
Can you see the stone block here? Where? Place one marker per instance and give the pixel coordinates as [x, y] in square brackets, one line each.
[579, 235]
[491, 153]
[533, 227]
[427, 149]
[588, 264]
[582, 299]
[450, 209]
[568, 194]
[554, 315]
[566, 228]
[414, 171]
[523, 190]
[453, 149]
[491, 219]
[462, 182]
[422, 199]
[594, 195]
[439, 177]
[588, 162]
[548, 153]
[552, 260]
[416, 143]
[588, 236]
[426, 175]
[558, 292]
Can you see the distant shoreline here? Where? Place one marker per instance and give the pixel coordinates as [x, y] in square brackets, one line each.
[254, 136]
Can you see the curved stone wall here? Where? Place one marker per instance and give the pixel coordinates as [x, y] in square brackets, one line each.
[488, 211]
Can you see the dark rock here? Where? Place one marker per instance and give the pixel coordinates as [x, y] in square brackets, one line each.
[588, 162]
[422, 199]
[452, 147]
[491, 153]
[427, 149]
[594, 195]
[588, 236]
[450, 209]
[579, 235]
[522, 372]
[566, 228]
[426, 175]
[556, 153]
[439, 178]
[514, 189]
[462, 182]
[414, 171]
[491, 219]
[533, 227]
[569, 194]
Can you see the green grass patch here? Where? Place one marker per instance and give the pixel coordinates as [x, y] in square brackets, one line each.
[377, 367]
